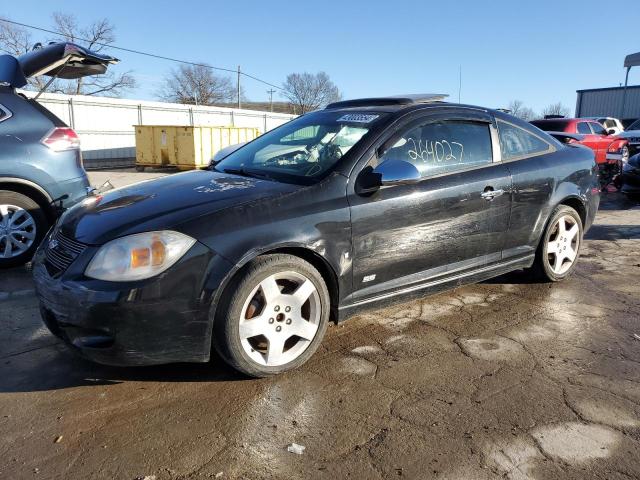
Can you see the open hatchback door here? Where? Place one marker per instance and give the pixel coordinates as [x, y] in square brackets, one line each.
[61, 60]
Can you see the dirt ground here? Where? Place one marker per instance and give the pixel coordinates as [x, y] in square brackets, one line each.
[504, 379]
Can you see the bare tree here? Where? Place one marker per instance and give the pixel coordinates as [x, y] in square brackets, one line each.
[197, 84]
[17, 41]
[556, 109]
[519, 110]
[310, 92]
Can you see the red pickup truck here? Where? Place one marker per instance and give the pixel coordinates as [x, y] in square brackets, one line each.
[611, 151]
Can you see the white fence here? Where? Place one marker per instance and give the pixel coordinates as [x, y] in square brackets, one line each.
[106, 125]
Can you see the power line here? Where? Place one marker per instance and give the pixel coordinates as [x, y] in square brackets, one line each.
[138, 52]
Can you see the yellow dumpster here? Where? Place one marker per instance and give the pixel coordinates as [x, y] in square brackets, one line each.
[186, 148]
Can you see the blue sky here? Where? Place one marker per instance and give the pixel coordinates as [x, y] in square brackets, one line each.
[538, 52]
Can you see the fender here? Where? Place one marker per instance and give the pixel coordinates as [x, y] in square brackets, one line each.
[27, 183]
[218, 282]
[566, 194]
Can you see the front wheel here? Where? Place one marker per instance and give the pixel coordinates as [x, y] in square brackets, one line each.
[272, 316]
[22, 227]
[559, 247]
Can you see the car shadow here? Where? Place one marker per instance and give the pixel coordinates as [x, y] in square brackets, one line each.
[613, 232]
[55, 367]
[517, 277]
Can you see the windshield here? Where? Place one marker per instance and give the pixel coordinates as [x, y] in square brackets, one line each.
[634, 126]
[303, 150]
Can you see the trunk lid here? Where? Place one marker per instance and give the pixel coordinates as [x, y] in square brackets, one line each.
[63, 60]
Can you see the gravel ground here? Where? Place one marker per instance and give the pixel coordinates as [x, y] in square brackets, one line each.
[504, 379]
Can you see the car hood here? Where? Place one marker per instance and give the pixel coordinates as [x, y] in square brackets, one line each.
[629, 134]
[162, 204]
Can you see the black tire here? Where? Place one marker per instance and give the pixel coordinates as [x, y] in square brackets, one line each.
[226, 334]
[542, 269]
[40, 220]
[140, 168]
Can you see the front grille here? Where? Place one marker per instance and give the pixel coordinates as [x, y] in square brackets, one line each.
[61, 252]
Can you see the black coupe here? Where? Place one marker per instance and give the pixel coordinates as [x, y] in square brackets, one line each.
[359, 202]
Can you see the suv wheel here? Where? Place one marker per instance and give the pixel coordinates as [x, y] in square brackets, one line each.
[22, 226]
[559, 248]
[274, 316]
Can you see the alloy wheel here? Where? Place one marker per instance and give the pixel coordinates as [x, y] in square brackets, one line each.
[625, 154]
[563, 244]
[17, 231]
[280, 318]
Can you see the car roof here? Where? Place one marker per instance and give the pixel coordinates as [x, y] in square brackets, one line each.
[399, 104]
[393, 100]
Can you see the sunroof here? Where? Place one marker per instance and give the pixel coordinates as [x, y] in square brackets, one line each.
[392, 100]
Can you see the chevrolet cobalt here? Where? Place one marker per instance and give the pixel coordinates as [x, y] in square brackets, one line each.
[336, 210]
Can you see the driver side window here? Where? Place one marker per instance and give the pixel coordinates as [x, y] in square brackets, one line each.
[442, 147]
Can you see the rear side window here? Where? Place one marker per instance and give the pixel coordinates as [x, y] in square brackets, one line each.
[583, 127]
[517, 142]
[443, 147]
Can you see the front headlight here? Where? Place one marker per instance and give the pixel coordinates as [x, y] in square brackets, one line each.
[139, 256]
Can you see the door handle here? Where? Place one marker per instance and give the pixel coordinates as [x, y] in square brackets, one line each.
[489, 193]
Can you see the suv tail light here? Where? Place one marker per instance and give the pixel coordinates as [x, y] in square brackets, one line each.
[61, 138]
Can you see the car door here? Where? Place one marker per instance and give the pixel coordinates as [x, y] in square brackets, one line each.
[602, 139]
[450, 221]
[590, 140]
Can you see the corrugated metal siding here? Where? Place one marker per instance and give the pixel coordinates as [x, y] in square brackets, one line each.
[608, 102]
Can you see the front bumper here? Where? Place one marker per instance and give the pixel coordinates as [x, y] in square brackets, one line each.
[164, 319]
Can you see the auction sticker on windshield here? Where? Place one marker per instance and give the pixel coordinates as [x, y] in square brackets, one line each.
[358, 118]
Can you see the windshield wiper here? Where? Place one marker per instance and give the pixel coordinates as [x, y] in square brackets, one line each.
[247, 173]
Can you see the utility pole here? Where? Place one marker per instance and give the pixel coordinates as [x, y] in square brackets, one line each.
[239, 101]
[271, 92]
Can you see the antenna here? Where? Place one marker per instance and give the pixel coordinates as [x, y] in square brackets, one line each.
[459, 82]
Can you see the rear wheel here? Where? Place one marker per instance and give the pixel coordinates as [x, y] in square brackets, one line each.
[559, 247]
[22, 226]
[274, 316]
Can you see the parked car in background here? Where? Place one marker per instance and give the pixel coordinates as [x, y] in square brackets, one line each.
[630, 177]
[41, 171]
[632, 135]
[627, 121]
[611, 151]
[613, 126]
[340, 208]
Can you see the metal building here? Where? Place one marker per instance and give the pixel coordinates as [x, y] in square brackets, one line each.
[609, 102]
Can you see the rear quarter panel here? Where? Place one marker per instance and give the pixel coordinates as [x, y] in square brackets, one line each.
[540, 184]
[23, 156]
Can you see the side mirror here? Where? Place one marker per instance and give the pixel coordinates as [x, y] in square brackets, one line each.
[389, 172]
[395, 172]
[611, 131]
